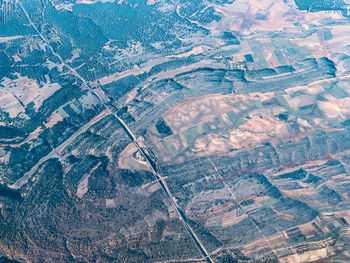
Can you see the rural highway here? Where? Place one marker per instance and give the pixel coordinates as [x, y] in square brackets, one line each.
[129, 133]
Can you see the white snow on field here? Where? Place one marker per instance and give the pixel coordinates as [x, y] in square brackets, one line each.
[116, 76]
[110, 203]
[50, 65]
[300, 101]
[7, 39]
[136, 70]
[194, 51]
[338, 108]
[16, 58]
[64, 6]
[10, 104]
[152, 2]
[54, 118]
[88, 101]
[255, 131]
[16, 94]
[83, 185]
[314, 44]
[193, 111]
[130, 158]
[75, 54]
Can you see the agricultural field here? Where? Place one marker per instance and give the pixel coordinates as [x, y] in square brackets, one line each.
[174, 131]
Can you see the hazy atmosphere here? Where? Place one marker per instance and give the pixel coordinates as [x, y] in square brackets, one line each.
[175, 131]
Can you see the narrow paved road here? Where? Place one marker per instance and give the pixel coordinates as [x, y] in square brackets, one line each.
[149, 160]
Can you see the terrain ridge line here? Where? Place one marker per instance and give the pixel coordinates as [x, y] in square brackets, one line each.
[151, 164]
